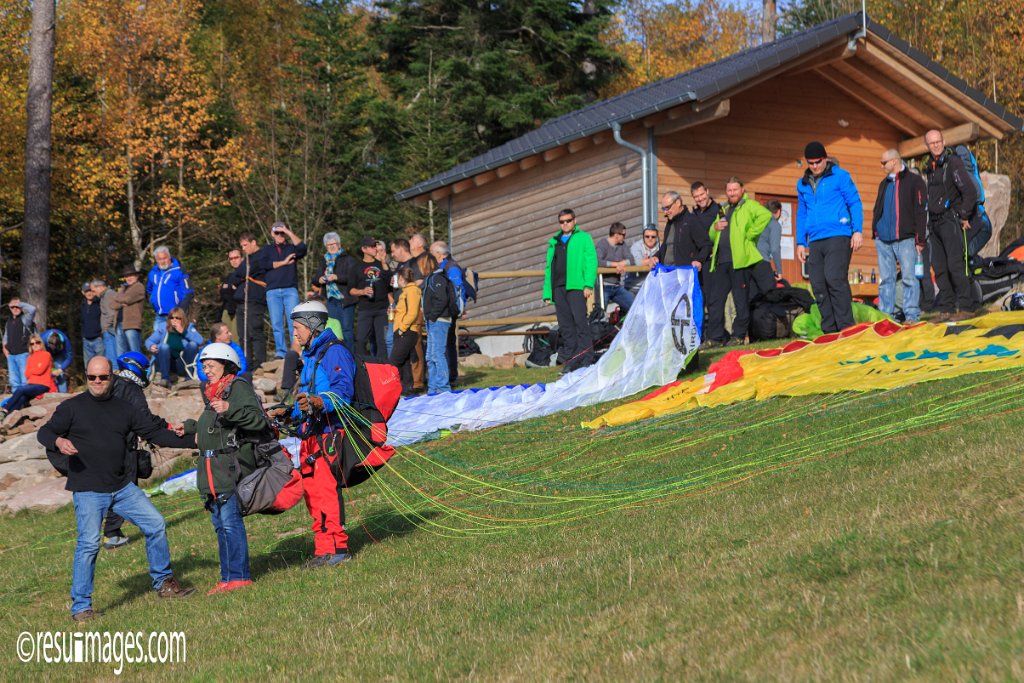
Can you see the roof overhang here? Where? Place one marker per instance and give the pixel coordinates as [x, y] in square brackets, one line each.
[877, 69]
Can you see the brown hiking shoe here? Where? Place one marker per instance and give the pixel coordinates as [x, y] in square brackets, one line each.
[85, 615]
[961, 316]
[170, 588]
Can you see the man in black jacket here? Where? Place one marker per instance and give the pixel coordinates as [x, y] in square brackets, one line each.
[249, 279]
[92, 333]
[898, 226]
[686, 241]
[952, 201]
[92, 429]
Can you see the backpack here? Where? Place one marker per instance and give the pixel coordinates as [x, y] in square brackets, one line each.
[469, 279]
[773, 315]
[541, 346]
[980, 231]
[377, 389]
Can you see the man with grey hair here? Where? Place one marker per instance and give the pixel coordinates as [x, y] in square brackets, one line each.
[899, 225]
[417, 245]
[167, 286]
[108, 318]
[453, 271]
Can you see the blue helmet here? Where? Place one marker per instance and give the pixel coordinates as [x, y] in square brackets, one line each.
[134, 362]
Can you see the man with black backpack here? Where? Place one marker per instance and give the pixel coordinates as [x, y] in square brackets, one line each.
[952, 200]
[440, 309]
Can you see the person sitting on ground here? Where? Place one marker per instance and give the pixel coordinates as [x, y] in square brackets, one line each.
[57, 343]
[408, 327]
[175, 347]
[38, 377]
[220, 333]
[231, 423]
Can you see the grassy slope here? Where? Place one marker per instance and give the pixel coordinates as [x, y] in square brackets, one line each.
[901, 558]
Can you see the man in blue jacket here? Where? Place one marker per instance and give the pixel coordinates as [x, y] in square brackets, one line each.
[282, 282]
[326, 385]
[829, 221]
[167, 286]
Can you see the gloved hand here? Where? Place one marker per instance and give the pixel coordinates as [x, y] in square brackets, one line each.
[309, 403]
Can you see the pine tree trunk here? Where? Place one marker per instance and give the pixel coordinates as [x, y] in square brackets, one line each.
[35, 243]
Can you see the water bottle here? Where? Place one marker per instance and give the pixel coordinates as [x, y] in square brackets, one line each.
[919, 267]
[874, 278]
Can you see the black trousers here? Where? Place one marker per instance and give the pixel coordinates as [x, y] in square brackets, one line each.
[828, 266]
[720, 282]
[254, 339]
[372, 325]
[949, 259]
[451, 353]
[575, 347]
[403, 351]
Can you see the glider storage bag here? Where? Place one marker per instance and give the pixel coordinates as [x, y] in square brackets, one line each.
[274, 486]
[378, 388]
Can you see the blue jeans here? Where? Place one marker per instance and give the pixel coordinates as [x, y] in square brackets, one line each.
[165, 364]
[22, 396]
[132, 504]
[159, 322]
[232, 543]
[905, 253]
[389, 337]
[132, 340]
[437, 361]
[110, 346]
[91, 348]
[620, 295]
[280, 303]
[346, 315]
[16, 369]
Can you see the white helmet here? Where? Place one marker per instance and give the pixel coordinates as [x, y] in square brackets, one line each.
[221, 352]
[312, 314]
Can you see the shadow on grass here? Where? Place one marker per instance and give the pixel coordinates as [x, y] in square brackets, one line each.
[295, 549]
[139, 585]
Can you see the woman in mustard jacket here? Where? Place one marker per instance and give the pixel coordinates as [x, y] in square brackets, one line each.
[408, 325]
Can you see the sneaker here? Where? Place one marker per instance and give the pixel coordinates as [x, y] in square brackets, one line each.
[85, 615]
[170, 588]
[115, 542]
[328, 560]
[226, 586]
[712, 344]
[737, 341]
[943, 317]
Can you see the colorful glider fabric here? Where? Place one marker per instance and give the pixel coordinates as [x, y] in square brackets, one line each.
[865, 357]
[661, 331]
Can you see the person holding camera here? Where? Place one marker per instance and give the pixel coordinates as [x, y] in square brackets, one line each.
[282, 280]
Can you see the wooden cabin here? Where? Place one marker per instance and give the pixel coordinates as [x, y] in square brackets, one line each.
[849, 83]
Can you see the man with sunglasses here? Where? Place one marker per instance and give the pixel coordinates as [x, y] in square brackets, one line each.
[686, 241]
[829, 221]
[91, 430]
[569, 277]
[644, 252]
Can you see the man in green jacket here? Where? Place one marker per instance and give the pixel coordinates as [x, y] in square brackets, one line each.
[568, 282]
[734, 261]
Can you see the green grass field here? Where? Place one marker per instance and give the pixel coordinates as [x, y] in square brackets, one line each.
[848, 537]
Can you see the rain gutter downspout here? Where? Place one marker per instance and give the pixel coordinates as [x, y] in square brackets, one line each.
[644, 177]
[862, 32]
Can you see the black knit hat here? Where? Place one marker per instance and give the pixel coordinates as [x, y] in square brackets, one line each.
[815, 150]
